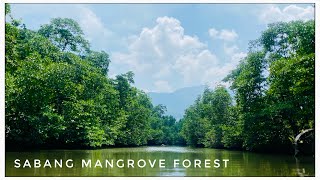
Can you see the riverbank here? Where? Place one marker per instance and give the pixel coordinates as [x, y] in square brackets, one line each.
[304, 149]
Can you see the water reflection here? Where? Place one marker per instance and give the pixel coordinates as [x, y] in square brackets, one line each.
[240, 163]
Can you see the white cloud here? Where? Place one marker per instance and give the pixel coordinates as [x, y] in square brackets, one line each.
[233, 53]
[94, 29]
[235, 58]
[273, 13]
[213, 33]
[193, 67]
[224, 34]
[230, 49]
[164, 58]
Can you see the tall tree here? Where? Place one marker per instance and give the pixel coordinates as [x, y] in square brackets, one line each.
[275, 86]
[218, 105]
[195, 127]
[291, 48]
[66, 34]
[249, 84]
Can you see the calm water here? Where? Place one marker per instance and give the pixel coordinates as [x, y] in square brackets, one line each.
[240, 163]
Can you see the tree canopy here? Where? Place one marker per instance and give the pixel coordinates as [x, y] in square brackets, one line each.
[58, 93]
[274, 87]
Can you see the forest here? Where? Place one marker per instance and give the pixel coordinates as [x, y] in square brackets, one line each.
[58, 94]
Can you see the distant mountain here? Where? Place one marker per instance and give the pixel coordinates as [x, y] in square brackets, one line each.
[176, 102]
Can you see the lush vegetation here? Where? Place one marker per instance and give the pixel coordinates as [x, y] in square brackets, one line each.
[59, 94]
[274, 99]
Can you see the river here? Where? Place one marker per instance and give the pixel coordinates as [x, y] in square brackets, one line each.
[176, 161]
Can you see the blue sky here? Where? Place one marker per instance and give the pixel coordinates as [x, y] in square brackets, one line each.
[169, 46]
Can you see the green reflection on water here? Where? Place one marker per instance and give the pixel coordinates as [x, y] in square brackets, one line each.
[240, 163]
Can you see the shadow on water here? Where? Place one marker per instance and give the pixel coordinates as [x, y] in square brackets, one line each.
[240, 163]
[300, 166]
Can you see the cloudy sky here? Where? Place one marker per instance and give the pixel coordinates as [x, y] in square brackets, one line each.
[168, 46]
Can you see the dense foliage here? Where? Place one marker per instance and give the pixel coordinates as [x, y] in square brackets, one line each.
[58, 94]
[274, 99]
